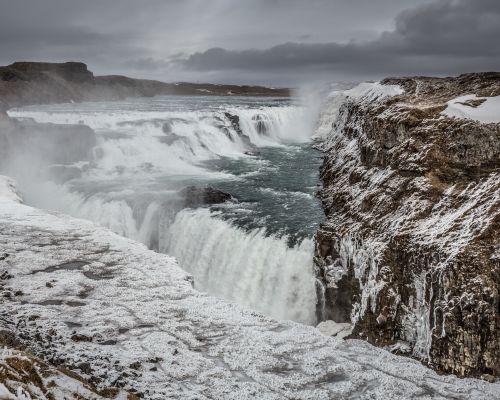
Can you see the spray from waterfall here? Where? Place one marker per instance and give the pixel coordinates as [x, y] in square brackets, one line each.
[146, 152]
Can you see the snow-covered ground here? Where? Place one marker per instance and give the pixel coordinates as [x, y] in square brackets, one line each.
[122, 315]
[482, 109]
[23, 377]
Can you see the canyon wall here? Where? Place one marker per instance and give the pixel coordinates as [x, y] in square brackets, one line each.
[409, 252]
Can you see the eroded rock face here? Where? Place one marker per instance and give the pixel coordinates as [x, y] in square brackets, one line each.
[410, 250]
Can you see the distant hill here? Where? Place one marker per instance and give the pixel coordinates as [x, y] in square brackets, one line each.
[25, 83]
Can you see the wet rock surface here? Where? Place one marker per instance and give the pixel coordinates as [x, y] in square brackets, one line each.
[201, 196]
[410, 250]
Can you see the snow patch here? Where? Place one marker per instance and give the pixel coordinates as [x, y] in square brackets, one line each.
[370, 91]
[465, 107]
[364, 92]
[332, 328]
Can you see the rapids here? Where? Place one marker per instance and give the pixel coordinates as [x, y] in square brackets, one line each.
[256, 251]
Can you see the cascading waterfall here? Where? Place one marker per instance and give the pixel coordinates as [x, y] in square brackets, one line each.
[259, 271]
[176, 141]
[147, 150]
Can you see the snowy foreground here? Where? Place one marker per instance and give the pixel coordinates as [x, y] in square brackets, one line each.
[121, 315]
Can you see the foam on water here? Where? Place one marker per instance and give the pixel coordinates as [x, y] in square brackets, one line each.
[259, 271]
[133, 139]
[145, 147]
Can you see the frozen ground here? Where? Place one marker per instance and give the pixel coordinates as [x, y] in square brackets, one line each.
[482, 109]
[121, 315]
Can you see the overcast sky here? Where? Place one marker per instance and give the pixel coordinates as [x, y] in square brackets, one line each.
[273, 42]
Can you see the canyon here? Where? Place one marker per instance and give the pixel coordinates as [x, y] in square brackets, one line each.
[407, 258]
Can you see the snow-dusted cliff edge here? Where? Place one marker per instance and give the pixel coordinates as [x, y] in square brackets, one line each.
[88, 301]
[410, 250]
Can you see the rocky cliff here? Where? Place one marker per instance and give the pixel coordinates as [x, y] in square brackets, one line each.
[410, 252]
[24, 83]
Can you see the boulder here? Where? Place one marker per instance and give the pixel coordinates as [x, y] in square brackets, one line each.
[200, 196]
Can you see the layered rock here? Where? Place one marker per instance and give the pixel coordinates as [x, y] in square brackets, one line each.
[409, 253]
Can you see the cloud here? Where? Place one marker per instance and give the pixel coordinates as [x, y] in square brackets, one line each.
[276, 42]
[147, 64]
[446, 36]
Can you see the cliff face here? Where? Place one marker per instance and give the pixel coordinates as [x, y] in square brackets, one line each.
[410, 251]
[25, 83]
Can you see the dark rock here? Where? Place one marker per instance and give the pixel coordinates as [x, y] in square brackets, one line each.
[135, 365]
[70, 71]
[235, 122]
[81, 338]
[167, 128]
[8, 338]
[196, 196]
[109, 342]
[260, 122]
[5, 275]
[85, 368]
[396, 255]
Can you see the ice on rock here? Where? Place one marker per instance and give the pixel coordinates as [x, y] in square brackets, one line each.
[332, 328]
[122, 315]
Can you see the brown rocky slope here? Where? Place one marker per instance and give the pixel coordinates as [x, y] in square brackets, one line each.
[410, 251]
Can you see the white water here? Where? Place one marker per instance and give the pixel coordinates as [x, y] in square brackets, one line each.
[143, 152]
[130, 140]
[247, 267]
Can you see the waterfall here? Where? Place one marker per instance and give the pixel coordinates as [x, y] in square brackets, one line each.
[250, 268]
[149, 149]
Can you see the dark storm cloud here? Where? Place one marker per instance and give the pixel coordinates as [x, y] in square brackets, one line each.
[446, 36]
[250, 41]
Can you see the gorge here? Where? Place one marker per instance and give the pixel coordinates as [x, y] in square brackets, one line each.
[407, 255]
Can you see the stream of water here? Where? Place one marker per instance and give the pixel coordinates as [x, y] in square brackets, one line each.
[255, 250]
